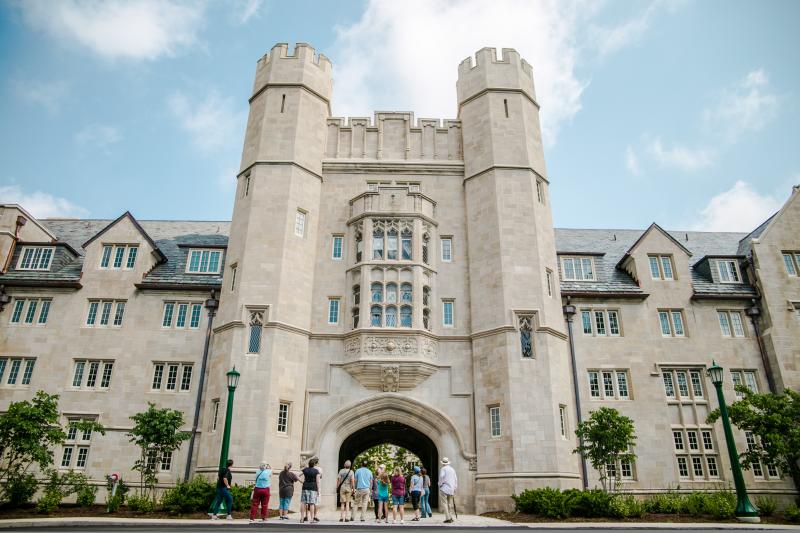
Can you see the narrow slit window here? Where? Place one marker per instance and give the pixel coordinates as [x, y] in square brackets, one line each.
[283, 102]
[505, 106]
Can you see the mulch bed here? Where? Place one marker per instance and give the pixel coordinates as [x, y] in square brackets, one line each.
[529, 518]
[99, 511]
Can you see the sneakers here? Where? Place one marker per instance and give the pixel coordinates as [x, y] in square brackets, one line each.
[252, 521]
[401, 521]
[229, 517]
[448, 521]
[214, 517]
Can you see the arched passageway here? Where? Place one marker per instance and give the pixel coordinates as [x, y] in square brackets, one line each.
[389, 432]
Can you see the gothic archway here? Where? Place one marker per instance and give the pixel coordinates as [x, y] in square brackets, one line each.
[390, 432]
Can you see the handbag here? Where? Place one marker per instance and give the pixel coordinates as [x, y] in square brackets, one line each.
[339, 486]
[253, 492]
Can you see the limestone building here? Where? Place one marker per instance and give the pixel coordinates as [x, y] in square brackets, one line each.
[392, 279]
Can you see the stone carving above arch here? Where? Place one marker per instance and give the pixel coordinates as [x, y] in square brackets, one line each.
[390, 378]
[391, 346]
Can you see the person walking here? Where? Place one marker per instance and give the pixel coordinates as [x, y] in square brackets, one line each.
[383, 497]
[286, 481]
[425, 503]
[310, 491]
[261, 492]
[448, 483]
[345, 487]
[416, 492]
[398, 494]
[363, 481]
[223, 492]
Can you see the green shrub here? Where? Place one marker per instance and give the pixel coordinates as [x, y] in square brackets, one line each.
[766, 506]
[625, 506]
[119, 497]
[21, 489]
[60, 486]
[141, 504]
[49, 501]
[87, 495]
[545, 502]
[588, 503]
[194, 495]
[792, 513]
[241, 497]
[721, 504]
[696, 503]
[665, 503]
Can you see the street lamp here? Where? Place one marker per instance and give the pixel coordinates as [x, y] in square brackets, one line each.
[745, 511]
[233, 382]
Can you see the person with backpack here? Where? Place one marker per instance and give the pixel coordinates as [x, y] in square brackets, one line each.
[261, 492]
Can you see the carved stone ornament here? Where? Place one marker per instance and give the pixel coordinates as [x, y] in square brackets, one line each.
[473, 464]
[352, 347]
[400, 346]
[390, 378]
[429, 348]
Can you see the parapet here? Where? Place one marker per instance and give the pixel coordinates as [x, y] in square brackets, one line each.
[303, 67]
[487, 72]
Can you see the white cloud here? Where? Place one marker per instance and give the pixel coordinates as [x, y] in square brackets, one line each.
[380, 67]
[98, 135]
[608, 40]
[247, 9]
[632, 161]
[134, 29]
[681, 157]
[213, 123]
[746, 106]
[740, 208]
[40, 204]
[48, 94]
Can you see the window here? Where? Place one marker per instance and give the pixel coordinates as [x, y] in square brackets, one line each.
[746, 378]
[577, 268]
[661, 267]
[671, 322]
[405, 244]
[214, 414]
[615, 384]
[233, 277]
[92, 374]
[728, 271]
[246, 189]
[549, 281]
[376, 316]
[695, 446]
[256, 325]
[283, 417]
[525, 323]
[447, 249]
[35, 258]
[117, 256]
[562, 416]
[757, 466]
[425, 248]
[100, 313]
[447, 313]
[540, 191]
[391, 245]
[75, 450]
[791, 260]
[172, 376]
[731, 324]
[333, 310]
[359, 247]
[204, 262]
[165, 465]
[15, 365]
[406, 316]
[494, 421]
[300, 223]
[391, 317]
[30, 311]
[690, 384]
[337, 247]
[601, 322]
[377, 244]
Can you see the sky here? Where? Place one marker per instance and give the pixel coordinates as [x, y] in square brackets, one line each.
[679, 112]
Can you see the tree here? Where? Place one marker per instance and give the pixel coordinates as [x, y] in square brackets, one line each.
[29, 430]
[774, 420]
[605, 440]
[388, 455]
[157, 433]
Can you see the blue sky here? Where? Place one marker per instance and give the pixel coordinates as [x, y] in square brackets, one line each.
[675, 111]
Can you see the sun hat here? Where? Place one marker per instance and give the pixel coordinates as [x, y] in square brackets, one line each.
[445, 461]
[416, 470]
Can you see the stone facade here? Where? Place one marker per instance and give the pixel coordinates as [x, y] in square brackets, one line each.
[391, 274]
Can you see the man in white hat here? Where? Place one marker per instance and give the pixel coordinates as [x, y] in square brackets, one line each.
[448, 483]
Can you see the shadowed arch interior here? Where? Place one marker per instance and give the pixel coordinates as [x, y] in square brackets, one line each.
[388, 432]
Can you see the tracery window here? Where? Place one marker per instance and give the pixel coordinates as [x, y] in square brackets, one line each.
[526, 335]
[391, 317]
[392, 240]
[391, 293]
[256, 325]
[406, 244]
[376, 316]
[391, 245]
[406, 293]
[405, 316]
[377, 244]
[377, 292]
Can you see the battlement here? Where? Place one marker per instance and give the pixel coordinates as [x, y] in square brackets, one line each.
[488, 55]
[407, 116]
[510, 72]
[303, 67]
[302, 52]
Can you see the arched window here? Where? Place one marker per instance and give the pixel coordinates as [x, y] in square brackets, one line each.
[426, 296]
[525, 332]
[376, 316]
[391, 293]
[426, 319]
[355, 317]
[406, 293]
[391, 317]
[391, 245]
[356, 294]
[405, 316]
[377, 244]
[405, 238]
[377, 293]
[359, 247]
[425, 243]
[256, 325]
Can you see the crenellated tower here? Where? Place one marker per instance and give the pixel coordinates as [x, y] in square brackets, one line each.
[514, 290]
[265, 306]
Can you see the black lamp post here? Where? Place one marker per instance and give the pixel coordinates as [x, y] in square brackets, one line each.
[745, 511]
[233, 382]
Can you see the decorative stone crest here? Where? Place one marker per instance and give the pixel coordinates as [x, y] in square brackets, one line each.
[352, 347]
[429, 348]
[390, 378]
[473, 464]
[379, 346]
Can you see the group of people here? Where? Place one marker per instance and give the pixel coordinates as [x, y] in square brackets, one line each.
[354, 490]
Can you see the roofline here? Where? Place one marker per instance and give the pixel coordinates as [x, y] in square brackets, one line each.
[32, 219]
[59, 284]
[137, 226]
[645, 232]
[57, 243]
[739, 296]
[165, 286]
[598, 294]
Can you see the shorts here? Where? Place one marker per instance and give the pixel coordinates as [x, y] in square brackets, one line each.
[415, 494]
[284, 503]
[397, 500]
[382, 499]
[345, 495]
[310, 497]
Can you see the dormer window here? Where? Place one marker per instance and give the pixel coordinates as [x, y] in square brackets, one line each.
[661, 267]
[728, 271]
[117, 256]
[577, 268]
[204, 262]
[35, 258]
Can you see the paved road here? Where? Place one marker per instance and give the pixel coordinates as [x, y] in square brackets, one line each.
[276, 527]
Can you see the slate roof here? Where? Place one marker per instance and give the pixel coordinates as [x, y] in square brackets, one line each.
[614, 243]
[168, 236]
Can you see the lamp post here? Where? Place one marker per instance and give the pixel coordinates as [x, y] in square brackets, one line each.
[233, 381]
[569, 312]
[745, 511]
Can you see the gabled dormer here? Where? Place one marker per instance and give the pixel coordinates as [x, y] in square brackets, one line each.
[656, 258]
[17, 226]
[121, 247]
